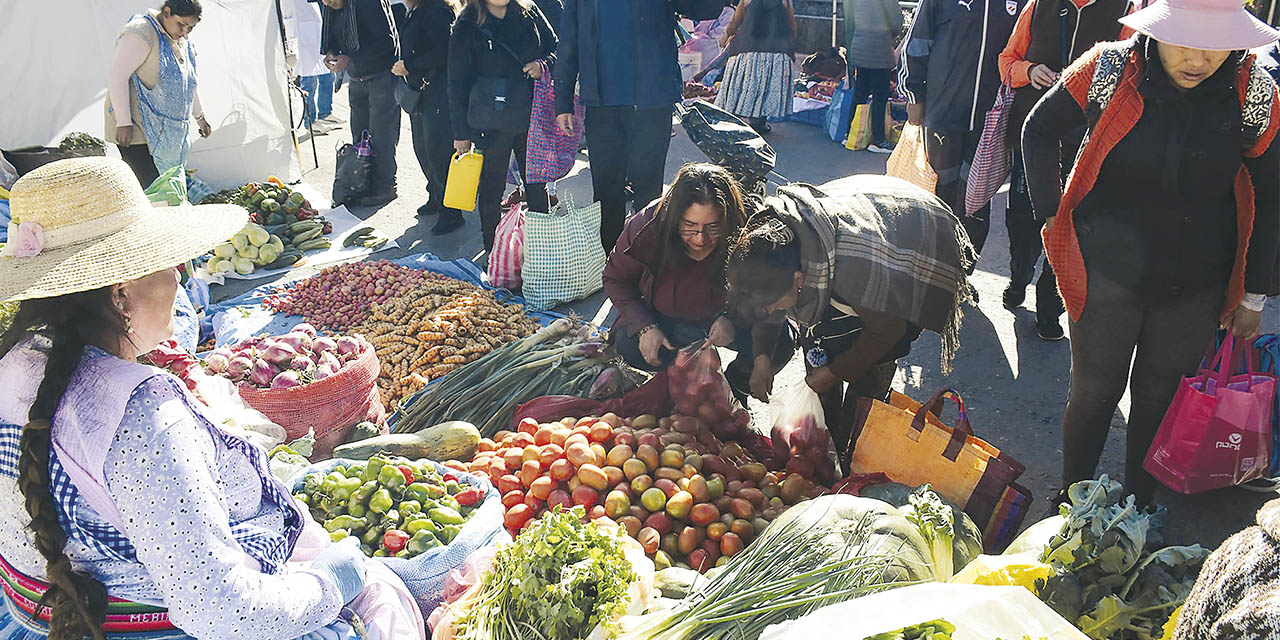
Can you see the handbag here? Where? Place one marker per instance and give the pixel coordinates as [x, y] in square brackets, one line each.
[549, 154]
[508, 249]
[409, 98]
[910, 160]
[994, 159]
[500, 104]
[727, 141]
[1217, 431]
[563, 257]
[859, 129]
[353, 170]
[907, 442]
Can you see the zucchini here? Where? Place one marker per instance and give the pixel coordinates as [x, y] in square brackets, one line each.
[357, 236]
[286, 259]
[311, 234]
[305, 225]
[453, 440]
[314, 243]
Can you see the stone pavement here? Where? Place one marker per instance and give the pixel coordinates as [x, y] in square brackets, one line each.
[1014, 384]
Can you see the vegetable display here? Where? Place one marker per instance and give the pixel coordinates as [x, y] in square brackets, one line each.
[272, 204]
[80, 141]
[453, 440]
[932, 630]
[926, 510]
[342, 296]
[282, 226]
[560, 579]
[802, 446]
[283, 362]
[686, 498]
[396, 507]
[966, 537]
[558, 359]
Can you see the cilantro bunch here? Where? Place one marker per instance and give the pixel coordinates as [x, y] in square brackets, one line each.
[560, 579]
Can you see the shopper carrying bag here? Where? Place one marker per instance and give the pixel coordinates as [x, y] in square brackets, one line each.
[910, 160]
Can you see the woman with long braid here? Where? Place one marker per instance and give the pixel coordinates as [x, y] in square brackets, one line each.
[142, 518]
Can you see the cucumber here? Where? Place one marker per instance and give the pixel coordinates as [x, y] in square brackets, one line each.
[287, 259]
[305, 225]
[357, 236]
[314, 243]
[307, 235]
[277, 229]
[455, 440]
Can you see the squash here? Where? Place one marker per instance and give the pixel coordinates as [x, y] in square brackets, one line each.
[453, 440]
[967, 543]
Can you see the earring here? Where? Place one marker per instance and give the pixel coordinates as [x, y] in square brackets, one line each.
[128, 325]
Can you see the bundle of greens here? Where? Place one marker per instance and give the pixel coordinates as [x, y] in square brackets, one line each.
[560, 579]
[933, 630]
[1115, 579]
[926, 510]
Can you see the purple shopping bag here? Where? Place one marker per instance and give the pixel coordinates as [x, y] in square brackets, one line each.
[1217, 432]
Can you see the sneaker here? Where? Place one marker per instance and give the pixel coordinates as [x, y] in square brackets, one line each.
[880, 147]
[332, 119]
[1262, 485]
[428, 210]
[1014, 297]
[1050, 331]
[448, 222]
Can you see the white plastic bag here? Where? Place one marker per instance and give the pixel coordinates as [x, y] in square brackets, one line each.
[800, 437]
[236, 416]
[978, 613]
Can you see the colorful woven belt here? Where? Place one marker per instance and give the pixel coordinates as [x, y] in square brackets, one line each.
[123, 617]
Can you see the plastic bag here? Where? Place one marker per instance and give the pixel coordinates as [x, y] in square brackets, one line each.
[799, 437]
[652, 397]
[224, 401]
[978, 612]
[910, 160]
[170, 189]
[508, 250]
[699, 389]
[563, 258]
[1021, 570]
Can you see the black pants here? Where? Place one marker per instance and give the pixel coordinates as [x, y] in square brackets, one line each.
[373, 107]
[682, 334]
[433, 140]
[1170, 336]
[950, 155]
[874, 84]
[497, 147]
[626, 145]
[1026, 248]
[840, 404]
[138, 157]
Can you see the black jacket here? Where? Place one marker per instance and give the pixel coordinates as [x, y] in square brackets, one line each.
[376, 51]
[424, 43]
[950, 60]
[657, 72]
[472, 54]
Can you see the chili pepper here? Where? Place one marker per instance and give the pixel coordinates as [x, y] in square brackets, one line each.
[450, 502]
[380, 553]
[394, 540]
[422, 542]
[410, 507]
[355, 507]
[420, 491]
[338, 535]
[348, 522]
[392, 517]
[449, 532]
[373, 468]
[346, 487]
[380, 501]
[469, 497]
[419, 524]
[311, 483]
[371, 536]
[356, 470]
[365, 492]
[451, 486]
[449, 476]
[366, 550]
[330, 482]
[408, 473]
[446, 515]
[391, 478]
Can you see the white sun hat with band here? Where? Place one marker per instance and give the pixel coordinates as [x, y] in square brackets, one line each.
[1213, 25]
[84, 223]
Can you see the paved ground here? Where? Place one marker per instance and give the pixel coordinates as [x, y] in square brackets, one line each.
[1014, 384]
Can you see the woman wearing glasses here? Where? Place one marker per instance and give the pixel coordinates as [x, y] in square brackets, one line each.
[863, 264]
[666, 279]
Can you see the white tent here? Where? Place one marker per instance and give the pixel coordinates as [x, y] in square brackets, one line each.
[56, 54]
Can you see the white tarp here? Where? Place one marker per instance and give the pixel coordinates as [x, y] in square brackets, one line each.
[56, 54]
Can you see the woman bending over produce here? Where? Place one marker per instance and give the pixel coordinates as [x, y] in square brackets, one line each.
[864, 264]
[666, 278]
[121, 482]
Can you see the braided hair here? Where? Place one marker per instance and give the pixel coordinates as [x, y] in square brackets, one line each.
[762, 263]
[61, 327]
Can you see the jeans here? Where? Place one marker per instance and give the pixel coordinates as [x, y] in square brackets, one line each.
[626, 145]
[1169, 334]
[1026, 248]
[873, 83]
[319, 92]
[433, 140]
[373, 107]
[497, 147]
[950, 155]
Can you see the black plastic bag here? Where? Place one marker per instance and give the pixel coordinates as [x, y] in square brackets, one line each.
[728, 142]
[353, 172]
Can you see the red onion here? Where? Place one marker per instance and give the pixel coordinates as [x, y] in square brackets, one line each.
[279, 353]
[300, 341]
[348, 347]
[301, 363]
[216, 363]
[263, 373]
[303, 327]
[240, 366]
[323, 345]
[286, 380]
[329, 359]
[324, 371]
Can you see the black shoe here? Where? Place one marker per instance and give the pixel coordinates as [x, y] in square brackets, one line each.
[376, 199]
[428, 209]
[447, 223]
[1014, 297]
[1050, 331]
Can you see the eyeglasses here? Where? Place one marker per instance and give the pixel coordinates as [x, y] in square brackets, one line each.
[710, 232]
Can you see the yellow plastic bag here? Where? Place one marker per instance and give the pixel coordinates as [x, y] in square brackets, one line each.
[910, 160]
[998, 571]
[859, 129]
[463, 183]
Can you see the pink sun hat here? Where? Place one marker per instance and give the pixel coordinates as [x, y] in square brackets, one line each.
[1214, 25]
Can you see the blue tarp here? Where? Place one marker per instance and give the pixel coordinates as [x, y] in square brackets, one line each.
[244, 316]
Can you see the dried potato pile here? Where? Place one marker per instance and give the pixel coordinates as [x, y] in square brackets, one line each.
[434, 328]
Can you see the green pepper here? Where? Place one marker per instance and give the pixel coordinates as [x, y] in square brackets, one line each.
[380, 501]
[418, 491]
[356, 508]
[366, 550]
[446, 515]
[380, 553]
[450, 502]
[419, 524]
[311, 483]
[452, 487]
[373, 468]
[421, 542]
[391, 477]
[302, 499]
[372, 536]
[356, 470]
[449, 532]
[410, 507]
[349, 522]
[330, 482]
[392, 517]
[338, 535]
[346, 487]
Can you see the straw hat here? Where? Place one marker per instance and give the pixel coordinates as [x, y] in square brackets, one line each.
[1213, 25]
[84, 223]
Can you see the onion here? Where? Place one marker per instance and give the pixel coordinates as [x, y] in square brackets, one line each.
[224, 352]
[286, 380]
[328, 358]
[300, 341]
[324, 371]
[301, 363]
[263, 373]
[240, 366]
[348, 347]
[305, 328]
[323, 345]
[279, 353]
[216, 363]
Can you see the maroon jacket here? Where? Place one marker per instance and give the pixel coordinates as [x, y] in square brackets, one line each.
[631, 276]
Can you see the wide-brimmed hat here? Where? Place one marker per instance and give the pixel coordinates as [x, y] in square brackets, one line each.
[1214, 25]
[84, 223]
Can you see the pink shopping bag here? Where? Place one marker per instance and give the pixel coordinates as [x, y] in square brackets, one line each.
[508, 249]
[1217, 432]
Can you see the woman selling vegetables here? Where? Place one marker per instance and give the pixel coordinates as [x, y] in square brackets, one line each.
[121, 482]
[864, 264]
[666, 278]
